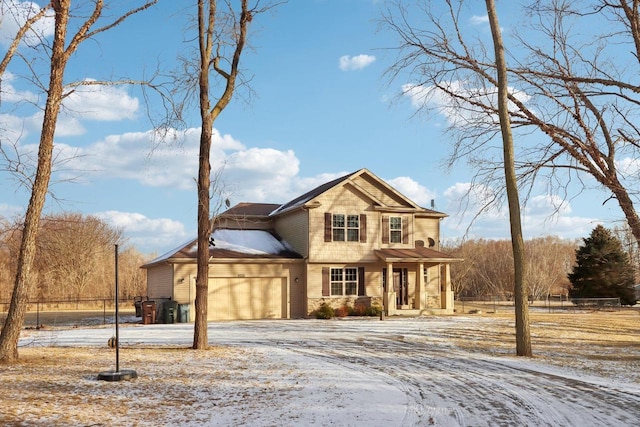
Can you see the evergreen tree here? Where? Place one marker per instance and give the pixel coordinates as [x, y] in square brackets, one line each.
[602, 269]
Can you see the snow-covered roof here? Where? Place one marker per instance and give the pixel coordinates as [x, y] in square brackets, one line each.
[254, 242]
[230, 243]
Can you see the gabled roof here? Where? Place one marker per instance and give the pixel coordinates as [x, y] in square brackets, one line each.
[252, 209]
[351, 179]
[309, 195]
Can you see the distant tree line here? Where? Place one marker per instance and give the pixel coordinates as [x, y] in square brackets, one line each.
[75, 261]
[554, 266]
[488, 269]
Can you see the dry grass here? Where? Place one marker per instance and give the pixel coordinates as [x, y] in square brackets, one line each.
[58, 387]
[596, 342]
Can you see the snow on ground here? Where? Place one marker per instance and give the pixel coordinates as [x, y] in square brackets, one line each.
[347, 372]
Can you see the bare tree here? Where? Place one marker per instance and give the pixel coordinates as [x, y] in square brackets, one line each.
[212, 25]
[62, 49]
[75, 259]
[573, 98]
[521, 292]
[549, 260]
[76, 254]
[488, 269]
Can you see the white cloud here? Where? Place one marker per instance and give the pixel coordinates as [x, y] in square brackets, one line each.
[10, 94]
[352, 63]
[14, 14]
[256, 174]
[97, 103]
[9, 212]
[542, 215]
[479, 20]
[265, 174]
[413, 190]
[629, 166]
[457, 112]
[146, 233]
[101, 103]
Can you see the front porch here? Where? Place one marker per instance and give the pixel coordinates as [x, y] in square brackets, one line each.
[416, 282]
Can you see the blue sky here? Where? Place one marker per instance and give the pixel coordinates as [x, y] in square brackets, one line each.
[320, 107]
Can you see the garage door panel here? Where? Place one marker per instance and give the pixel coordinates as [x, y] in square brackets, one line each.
[240, 292]
[247, 298]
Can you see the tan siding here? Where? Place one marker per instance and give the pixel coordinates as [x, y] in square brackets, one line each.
[294, 228]
[245, 223]
[425, 228]
[342, 200]
[406, 219]
[159, 281]
[184, 274]
[379, 192]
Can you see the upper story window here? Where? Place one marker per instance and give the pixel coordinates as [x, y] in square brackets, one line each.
[395, 229]
[346, 225]
[345, 228]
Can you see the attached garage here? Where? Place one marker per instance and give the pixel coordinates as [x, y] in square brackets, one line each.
[245, 298]
[253, 274]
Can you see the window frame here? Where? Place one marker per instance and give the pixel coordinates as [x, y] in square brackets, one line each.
[395, 229]
[342, 228]
[345, 279]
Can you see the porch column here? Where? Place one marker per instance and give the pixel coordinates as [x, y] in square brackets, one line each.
[390, 295]
[446, 294]
[419, 301]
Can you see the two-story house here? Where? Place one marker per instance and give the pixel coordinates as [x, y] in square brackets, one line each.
[354, 240]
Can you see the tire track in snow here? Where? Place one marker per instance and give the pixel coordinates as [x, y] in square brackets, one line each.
[447, 386]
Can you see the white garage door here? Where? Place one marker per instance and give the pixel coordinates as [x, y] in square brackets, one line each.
[247, 298]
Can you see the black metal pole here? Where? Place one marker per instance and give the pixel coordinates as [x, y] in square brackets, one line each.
[117, 331]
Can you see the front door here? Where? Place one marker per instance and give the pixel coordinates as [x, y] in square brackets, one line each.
[400, 286]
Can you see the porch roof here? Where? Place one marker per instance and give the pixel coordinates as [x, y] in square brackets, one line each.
[418, 254]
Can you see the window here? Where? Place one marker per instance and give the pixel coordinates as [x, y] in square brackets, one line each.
[338, 228]
[344, 281]
[395, 229]
[353, 228]
[346, 226]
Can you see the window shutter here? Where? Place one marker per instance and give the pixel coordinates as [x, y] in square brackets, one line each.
[361, 289]
[363, 228]
[326, 291]
[405, 230]
[385, 229]
[327, 227]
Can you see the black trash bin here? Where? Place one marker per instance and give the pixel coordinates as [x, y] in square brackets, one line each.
[137, 302]
[170, 309]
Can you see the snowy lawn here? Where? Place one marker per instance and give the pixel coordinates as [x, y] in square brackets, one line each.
[446, 371]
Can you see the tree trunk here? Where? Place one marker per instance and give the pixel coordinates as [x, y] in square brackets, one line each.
[23, 281]
[200, 335]
[209, 60]
[523, 340]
